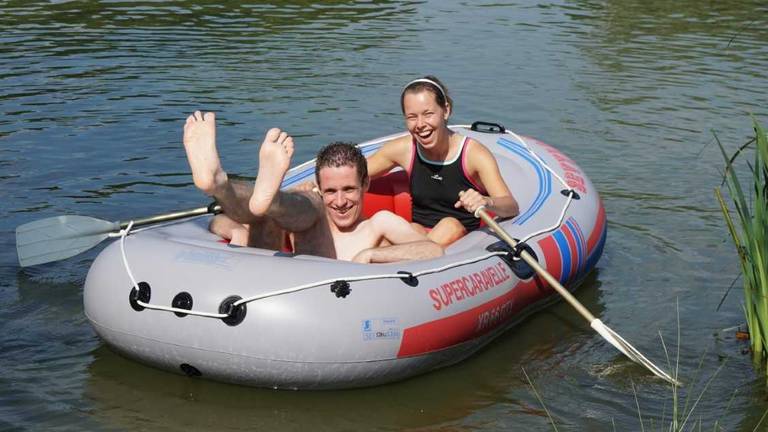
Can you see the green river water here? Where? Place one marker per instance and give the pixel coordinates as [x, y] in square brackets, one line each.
[92, 99]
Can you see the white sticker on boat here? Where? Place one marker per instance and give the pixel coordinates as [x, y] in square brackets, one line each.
[380, 328]
[203, 257]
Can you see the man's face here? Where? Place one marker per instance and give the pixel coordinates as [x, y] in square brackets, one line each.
[342, 195]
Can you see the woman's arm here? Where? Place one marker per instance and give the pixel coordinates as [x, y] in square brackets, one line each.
[482, 166]
[392, 154]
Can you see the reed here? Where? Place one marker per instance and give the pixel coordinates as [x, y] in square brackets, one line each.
[749, 231]
[683, 409]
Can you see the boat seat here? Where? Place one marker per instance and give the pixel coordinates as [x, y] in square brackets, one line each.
[390, 192]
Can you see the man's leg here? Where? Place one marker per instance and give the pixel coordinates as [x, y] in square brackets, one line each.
[299, 212]
[209, 177]
[238, 198]
[264, 207]
[447, 231]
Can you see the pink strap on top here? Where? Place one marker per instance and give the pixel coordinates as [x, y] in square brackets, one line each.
[466, 172]
[413, 156]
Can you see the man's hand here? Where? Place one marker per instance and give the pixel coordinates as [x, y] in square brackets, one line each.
[363, 257]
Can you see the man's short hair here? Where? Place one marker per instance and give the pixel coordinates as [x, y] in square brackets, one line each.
[339, 154]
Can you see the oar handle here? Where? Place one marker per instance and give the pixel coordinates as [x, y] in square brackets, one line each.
[554, 283]
[212, 208]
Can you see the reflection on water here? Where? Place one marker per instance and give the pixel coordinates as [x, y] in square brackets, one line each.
[94, 94]
[126, 394]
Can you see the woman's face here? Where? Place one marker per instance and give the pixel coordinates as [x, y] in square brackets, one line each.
[425, 118]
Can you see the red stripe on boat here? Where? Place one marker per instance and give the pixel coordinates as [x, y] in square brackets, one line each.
[467, 325]
[597, 231]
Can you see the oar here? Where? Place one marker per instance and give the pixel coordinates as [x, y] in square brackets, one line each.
[61, 237]
[612, 337]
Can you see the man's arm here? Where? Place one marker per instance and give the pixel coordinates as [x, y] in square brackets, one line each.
[418, 250]
[407, 243]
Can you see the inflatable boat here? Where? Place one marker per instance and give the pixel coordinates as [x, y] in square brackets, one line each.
[178, 298]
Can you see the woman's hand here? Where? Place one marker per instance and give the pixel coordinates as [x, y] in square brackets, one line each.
[471, 200]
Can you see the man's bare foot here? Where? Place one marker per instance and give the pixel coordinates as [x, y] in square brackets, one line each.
[200, 144]
[274, 160]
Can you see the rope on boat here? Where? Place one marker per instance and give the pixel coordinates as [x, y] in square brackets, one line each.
[568, 188]
[368, 278]
[124, 233]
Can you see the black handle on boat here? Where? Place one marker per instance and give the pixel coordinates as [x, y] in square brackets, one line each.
[554, 283]
[487, 127]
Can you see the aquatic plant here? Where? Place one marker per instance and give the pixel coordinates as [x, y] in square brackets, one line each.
[751, 240]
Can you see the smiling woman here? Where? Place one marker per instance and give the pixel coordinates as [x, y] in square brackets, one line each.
[450, 175]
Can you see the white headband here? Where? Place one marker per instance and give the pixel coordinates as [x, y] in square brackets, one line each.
[428, 81]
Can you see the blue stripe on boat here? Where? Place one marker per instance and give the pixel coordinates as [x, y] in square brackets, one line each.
[543, 176]
[298, 177]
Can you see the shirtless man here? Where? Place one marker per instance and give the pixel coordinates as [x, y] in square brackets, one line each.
[327, 224]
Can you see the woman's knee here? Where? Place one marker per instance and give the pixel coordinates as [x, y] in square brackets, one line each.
[447, 231]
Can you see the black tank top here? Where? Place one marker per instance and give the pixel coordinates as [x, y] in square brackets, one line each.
[435, 187]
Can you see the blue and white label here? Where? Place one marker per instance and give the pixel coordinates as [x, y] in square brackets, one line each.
[380, 329]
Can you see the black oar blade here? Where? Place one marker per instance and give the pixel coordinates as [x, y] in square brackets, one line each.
[59, 237]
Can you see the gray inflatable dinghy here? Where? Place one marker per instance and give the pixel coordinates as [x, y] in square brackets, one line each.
[178, 298]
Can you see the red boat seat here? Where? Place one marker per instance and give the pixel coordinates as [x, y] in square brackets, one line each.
[390, 192]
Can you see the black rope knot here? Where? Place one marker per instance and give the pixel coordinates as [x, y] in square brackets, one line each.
[340, 288]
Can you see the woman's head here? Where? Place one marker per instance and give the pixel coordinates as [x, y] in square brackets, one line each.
[426, 108]
[431, 85]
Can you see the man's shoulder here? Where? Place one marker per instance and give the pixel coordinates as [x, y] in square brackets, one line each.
[384, 217]
[385, 221]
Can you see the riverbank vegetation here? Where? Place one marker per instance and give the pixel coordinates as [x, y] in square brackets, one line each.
[749, 231]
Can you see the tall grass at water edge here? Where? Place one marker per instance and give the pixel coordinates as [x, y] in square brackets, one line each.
[750, 236]
[751, 241]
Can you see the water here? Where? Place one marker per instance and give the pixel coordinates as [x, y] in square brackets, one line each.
[93, 95]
